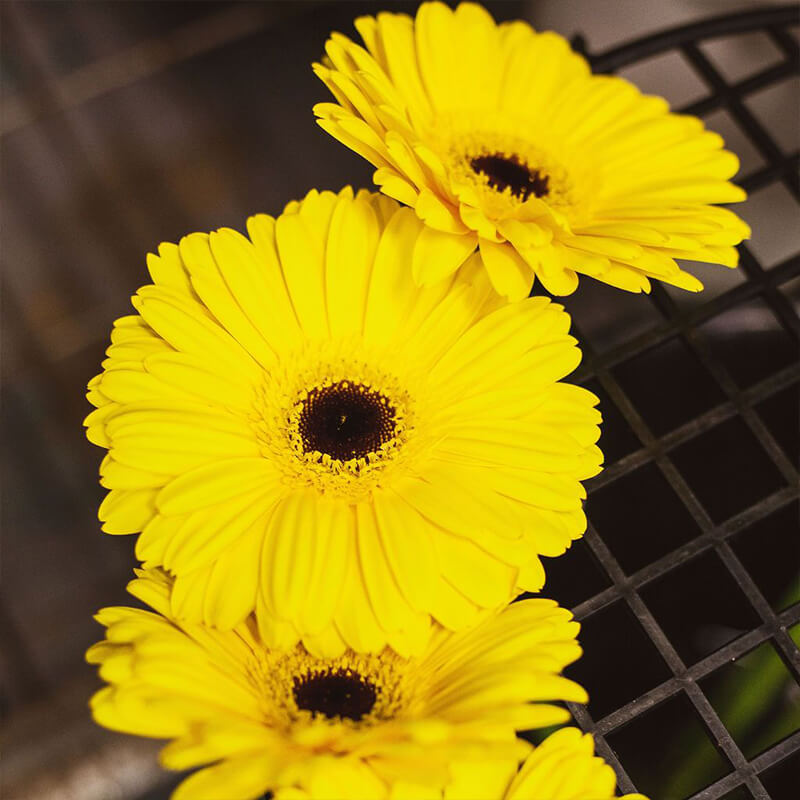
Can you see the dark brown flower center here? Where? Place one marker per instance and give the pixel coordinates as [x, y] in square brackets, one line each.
[335, 693]
[346, 420]
[506, 172]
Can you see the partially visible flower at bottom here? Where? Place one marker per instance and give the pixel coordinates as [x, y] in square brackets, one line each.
[355, 726]
[562, 767]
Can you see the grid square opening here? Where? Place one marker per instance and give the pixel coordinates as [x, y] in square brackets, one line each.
[779, 414]
[756, 698]
[699, 606]
[778, 104]
[727, 469]
[770, 551]
[619, 661]
[667, 74]
[656, 382]
[740, 56]
[667, 751]
[750, 341]
[622, 513]
[767, 211]
[780, 780]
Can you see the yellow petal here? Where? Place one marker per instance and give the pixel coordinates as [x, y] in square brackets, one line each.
[167, 268]
[244, 778]
[439, 215]
[335, 541]
[510, 274]
[484, 581]
[391, 610]
[438, 254]
[123, 511]
[352, 239]
[289, 554]
[186, 325]
[409, 550]
[203, 254]
[214, 483]
[302, 260]
[391, 295]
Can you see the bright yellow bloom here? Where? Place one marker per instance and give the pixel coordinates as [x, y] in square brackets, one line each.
[348, 727]
[296, 427]
[500, 137]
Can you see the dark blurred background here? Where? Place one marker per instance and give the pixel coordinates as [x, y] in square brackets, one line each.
[125, 124]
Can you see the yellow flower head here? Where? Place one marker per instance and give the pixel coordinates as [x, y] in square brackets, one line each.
[347, 727]
[296, 427]
[500, 137]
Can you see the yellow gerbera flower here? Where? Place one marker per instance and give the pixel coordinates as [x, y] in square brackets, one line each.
[347, 727]
[500, 137]
[295, 426]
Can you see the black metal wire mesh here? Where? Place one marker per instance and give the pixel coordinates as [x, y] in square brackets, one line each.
[692, 548]
[688, 464]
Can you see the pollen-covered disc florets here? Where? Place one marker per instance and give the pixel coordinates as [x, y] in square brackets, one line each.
[500, 138]
[296, 428]
[255, 719]
[501, 170]
[336, 424]
[297, 687]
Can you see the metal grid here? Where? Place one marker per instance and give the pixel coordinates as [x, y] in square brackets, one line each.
[761, 282]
